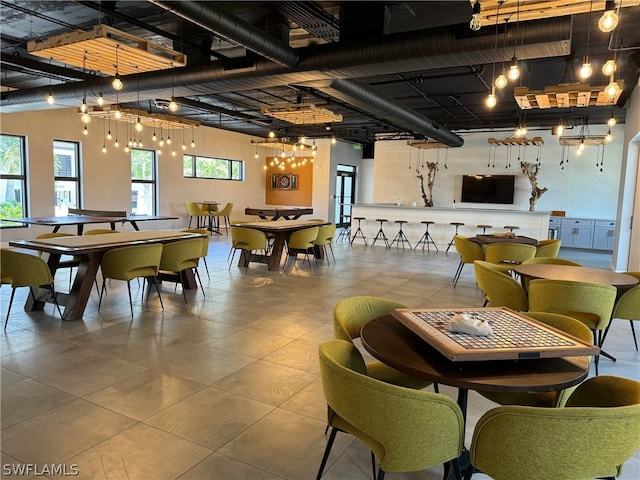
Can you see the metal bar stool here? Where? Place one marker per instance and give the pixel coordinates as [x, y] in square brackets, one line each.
[359, 231]
[380, 235]
[457, 225]
[400, 237]
[345, 232]
[511, 228]
[426, 238]
[484, 228]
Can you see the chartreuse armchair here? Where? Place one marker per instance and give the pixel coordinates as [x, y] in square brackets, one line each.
[469, 252]
[555, 398]
[406, 430]
[248, 240]
[25, 270]
[627, 307]
[500, 289]
[353, 313]
[301, 241]
[178, 257]
[548, 248]
[205, 246]
[591, 438]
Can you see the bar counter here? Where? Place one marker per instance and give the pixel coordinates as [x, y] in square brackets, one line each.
[532, 224]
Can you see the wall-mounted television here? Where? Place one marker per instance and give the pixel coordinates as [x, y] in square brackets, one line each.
[488, 188]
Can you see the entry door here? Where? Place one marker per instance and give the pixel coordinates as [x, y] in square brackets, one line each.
[345, 194]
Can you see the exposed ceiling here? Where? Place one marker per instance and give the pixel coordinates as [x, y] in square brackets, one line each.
[390, 69]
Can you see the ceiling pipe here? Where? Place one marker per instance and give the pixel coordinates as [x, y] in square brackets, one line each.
[409, 51]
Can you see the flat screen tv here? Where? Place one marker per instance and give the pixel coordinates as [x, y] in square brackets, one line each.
[488, 188]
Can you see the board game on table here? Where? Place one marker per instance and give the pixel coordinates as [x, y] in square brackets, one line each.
[515, 336]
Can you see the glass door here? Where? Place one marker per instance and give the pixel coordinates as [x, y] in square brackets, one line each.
[345, 194]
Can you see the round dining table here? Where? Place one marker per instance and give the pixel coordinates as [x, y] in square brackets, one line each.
[575, 274]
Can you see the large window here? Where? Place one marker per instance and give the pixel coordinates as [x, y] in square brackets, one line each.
[66, 171]
[13, 178]
[144, 189]
[216, 168]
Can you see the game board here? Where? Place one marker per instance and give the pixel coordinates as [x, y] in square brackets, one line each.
[515, 336]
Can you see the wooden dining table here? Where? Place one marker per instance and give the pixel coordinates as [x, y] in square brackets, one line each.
[286, 213]
[90, 249]
[576, 274]
[281, 231]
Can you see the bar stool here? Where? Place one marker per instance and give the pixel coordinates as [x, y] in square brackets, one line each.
[346, 230]
[426, 238]
[511, 228]
[457, 225]
[380, 235]
[484, 228]
[400, 237]
[359, 231]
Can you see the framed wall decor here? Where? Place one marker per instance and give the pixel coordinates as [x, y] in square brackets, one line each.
[284, 181]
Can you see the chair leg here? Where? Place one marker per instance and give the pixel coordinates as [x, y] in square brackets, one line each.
[373, 465]
[199, 281]
[332, 255]
[327, 450]
[54, 296]
[458, 272]
[13, 292]
[104, 286]
[154, 280]
[453, 466]
[184, 293]
[380, 474]
[633, 332]
[130, 301]
[206, 267]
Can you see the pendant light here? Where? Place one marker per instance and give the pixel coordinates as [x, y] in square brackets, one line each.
[609, 20]
[586, 70]
[475, 23]
[514, 69]
[117, 83]
[50, 99]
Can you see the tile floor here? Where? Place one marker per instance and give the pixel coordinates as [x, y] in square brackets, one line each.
[224, 387]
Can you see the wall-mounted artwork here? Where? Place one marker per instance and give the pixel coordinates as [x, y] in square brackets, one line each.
[284, 181]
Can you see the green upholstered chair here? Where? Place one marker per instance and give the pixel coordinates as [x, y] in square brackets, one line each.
[500, 289]
[178, 257]
[205, 246]
[548, 248]
[65, 261]
[353, 313]
[551, 261]
[627, 307]
[407, 430]
[194, 210]
[100, 231]
[301, 242]
[325, 239]
[469, 252]
[225, 213]
[507, 255]
[591, 303]
[25, 270]
[591, 438]
[248, 240]
[127, 263]
[546, 399]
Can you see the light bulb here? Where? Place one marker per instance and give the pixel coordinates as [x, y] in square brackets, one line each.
[117, 83]
[83, 107]
[154, 137]
[586, 70]
[130, 143]
[272, 134]
[560, 130]
[256, 155]
[168, 140]
[184, 146]
[501, 81]
[126, 148]
[612, 89]
[612, 121]
[109, 136]
[491, 99]
[333, 140]
[104, 149]
[313, 153]
[158, 152]
[161, 142]
[475, 24]
[581, 147]
[134, 144]
[303, 139]
[609, 20]
[140, 144]
[608, 137]
[609, 68]
[85, 118]
[579, 152]
[116, 143]
[139, 127]
[193, 144]
[173, 153]
[100, 99]
[118, 114]
[85, 131]
[282, 154]
[50, 99]
[173, 106]
[514, 69]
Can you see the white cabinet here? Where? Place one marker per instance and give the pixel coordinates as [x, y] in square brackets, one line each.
[603, 234]
[576, 232]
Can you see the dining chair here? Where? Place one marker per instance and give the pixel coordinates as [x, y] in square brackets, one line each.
[100, 231]
[407, 430]
[548, 248]
[194, 210]
[555, 398]
[591, 303]
[627, 307]
[325, 239]
[224, 214]
[127, 263]
[506, 255]
[500, 289]
[25, 270]
[249, 241]
[178, 257]
[65, 261]
[591, 437]
[205, 246]
[469, 252]
[351, 314]
[301, 241]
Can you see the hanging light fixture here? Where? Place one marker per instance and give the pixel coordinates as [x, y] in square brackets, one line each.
[514, 69]
[117, 83]
[100, 98]
[609, 20]
[138, 126]
[612, 121]
[608, 137]
[173, 106]
[612, 89]
[193, 140]
[586, 70]
[491, 99]
[50, 99]
[475, 23]
[609, 67]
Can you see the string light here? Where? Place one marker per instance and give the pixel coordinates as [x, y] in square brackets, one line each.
[100, 98]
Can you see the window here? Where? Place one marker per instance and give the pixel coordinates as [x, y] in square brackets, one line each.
[66, 171]
[216, 168]
[143, 182]
[13, 178]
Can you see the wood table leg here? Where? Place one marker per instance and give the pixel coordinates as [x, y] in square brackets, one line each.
[76, 302]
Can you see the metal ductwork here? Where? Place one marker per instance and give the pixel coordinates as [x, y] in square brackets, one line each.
[408, 51]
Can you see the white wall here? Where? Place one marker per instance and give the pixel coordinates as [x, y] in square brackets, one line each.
[580, 189]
